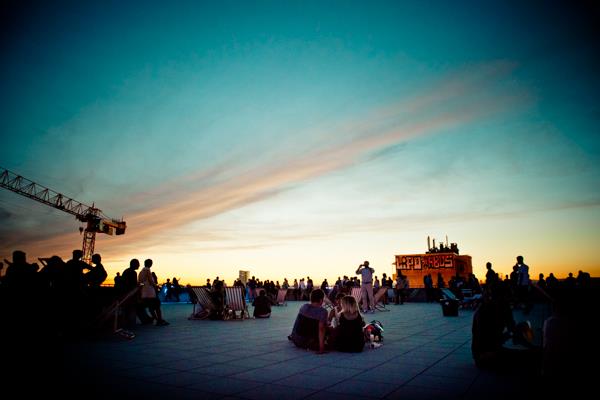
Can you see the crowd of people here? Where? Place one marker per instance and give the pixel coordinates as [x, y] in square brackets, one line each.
[501, 344]
[72, 297]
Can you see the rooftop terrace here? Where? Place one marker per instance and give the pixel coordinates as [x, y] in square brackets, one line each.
[425, 355]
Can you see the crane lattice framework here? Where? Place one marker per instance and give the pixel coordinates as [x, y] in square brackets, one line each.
[95, 221]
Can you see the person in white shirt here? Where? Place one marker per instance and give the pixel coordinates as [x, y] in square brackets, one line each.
[366, 286]
[148, 293]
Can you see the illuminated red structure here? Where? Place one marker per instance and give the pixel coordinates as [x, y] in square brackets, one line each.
[443, 259]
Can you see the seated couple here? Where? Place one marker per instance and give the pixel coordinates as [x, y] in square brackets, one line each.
[311, 329]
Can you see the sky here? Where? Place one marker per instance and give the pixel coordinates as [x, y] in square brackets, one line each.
[295, 139]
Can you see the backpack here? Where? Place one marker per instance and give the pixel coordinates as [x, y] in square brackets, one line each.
[374, 328]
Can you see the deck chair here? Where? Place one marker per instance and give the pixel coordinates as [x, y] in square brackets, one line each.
[201, 298]
[281, 294]
[235, 301]
[470, 299]
[378, 299]
[447, 294]
[356, 294]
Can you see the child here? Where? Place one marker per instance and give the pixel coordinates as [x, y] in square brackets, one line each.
[334, 314]
[349, 335]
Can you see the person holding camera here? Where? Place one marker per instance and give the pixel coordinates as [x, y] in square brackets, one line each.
[366, 286]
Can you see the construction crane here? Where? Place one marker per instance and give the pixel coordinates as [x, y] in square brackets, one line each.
[95, 221]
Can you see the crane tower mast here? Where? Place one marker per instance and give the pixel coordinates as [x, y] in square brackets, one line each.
[95, 221]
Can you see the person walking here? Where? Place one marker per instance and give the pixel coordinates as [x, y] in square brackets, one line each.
[366, 286]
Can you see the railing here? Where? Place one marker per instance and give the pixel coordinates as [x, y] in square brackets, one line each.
[114, 309]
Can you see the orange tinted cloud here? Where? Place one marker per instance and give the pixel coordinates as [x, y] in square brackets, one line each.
[458, 99]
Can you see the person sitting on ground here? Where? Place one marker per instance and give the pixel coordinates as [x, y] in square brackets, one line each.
[349, 335]
[493, 324]
[262, 305]
[217, 295]
[334, 313]
[311, 324]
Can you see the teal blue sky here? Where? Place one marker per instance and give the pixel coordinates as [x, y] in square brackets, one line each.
[294, 138]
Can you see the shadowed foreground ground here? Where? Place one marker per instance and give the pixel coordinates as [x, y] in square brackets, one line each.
[425, 355]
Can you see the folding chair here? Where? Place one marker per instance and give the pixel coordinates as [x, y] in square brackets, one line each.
[448, 295]
[470, 299]
[281, 293]
[356, 294]
[378, 299]
[202, 299]
[235, 301]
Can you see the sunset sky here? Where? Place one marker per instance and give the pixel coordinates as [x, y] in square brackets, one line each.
[302, 138]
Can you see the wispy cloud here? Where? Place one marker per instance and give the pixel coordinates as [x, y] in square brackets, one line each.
[453, 101]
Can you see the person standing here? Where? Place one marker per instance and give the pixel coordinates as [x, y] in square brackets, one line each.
[366, 287]
[176, 289]
[148, 293]
[523, 283]
[133, 305]
[401, 286]
[428, 283]
[490, 275]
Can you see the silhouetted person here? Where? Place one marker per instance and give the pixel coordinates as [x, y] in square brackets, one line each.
[148, 292]
[428, 283]
[176, 289]
[493, 324]
[217, 295]
[118, 279]
[402, 285]
[74, 277]
[97, 274]
[541, 281]
[133, 306]
[440, 281]
[311, 324]
[262, 305]
[19, 273]
[569, 340]
[523, 283]
[551, 282]
[490, 275]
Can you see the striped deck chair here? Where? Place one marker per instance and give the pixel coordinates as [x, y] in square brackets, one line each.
[378, 299]
[201, 298]
[356, 294]
[235, 300]
[281, 293]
